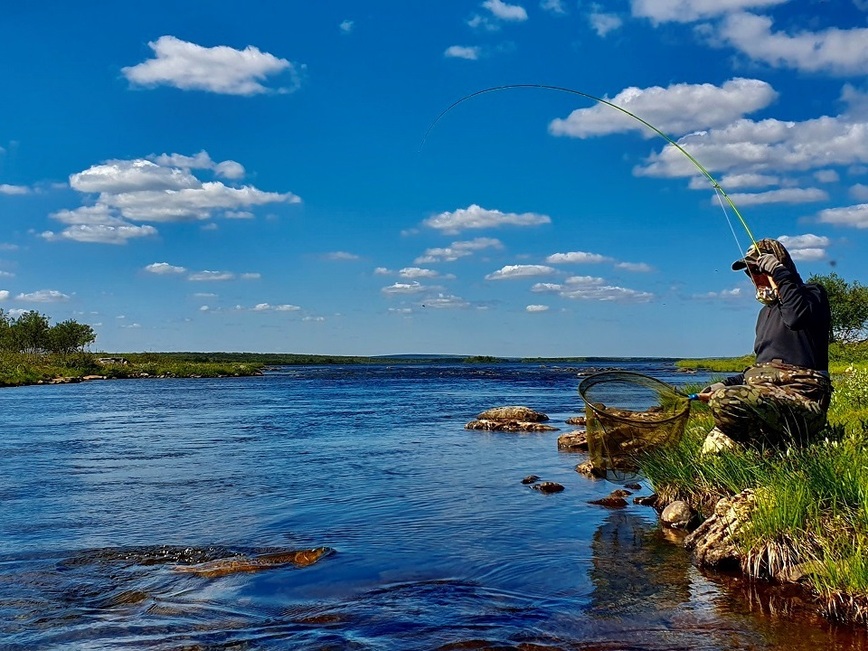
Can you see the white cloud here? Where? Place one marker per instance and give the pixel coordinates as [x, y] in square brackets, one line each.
[511, 271]
[537, 308]
[785, 195]
[417, 272]
[43, 296]
[589, 288]
[686, 11]
[5, 188]
[726, 295]
[251, 275]
[7, 274]
[737, 181]
[603, 23]
[265, 307]
[458, 250]
[475, 216]
[546, 288]
[314, 319]
[827, 176]
[4, 294]
[341, 256]
[382, 271]
[504, 11]
[803, 241]
[859, 192]
[160, 189]
[206, 276]
[220, 69]
[833, 51]
[446, 301]
[855, 216]
[164, 268]
[764, 146]
[554, 6]
[639, 267]
[677, 109]
[469, 52]
[100, 233]
[405, 288]
[580, 257]
[346, 26]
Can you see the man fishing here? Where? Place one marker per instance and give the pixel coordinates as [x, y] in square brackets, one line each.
[784, 396]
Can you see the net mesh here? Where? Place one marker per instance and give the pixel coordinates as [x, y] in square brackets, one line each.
[627, 413]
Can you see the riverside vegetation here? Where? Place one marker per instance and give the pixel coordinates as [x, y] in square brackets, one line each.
[811, 498]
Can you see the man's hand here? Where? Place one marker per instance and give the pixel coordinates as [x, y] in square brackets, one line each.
[705, 394]
[767, 263]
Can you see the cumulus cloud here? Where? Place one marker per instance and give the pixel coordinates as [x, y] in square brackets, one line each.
[4, 294]
[504, 11]
[579, 257]
[686, 11]
[414, 287]
[639, 267]
[346, 26]
[341, 256]
[785, 195]
[6, 274]
[511, 271]
[677, 109]
[554, 6]
[737, 181]
[827, 176]
[266, 307]
[726, 295]
[768, 145]
[160, 188]
[219, 69]
[43, 296]
[445, 302]
[475, 216]
[164, 268]
[833, 51]
[5, 188]
[855, 216]
[859, 192]
[211, 276]
[458, 250]
[589, 288]
[603, 23]
[417, 272]
[469, 52]
[536, 308]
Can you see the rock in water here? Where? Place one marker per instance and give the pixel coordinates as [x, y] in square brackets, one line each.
[676, 515]
[713, 541]
[514, 412]
[509, 426]
[548, 487]
[530, 479]
[224, 566]
[576, 441]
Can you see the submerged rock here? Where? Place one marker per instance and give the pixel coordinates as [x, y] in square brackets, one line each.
[515, 412]
[548, 487]
[224, 566]
[530, 479]
[614, 500]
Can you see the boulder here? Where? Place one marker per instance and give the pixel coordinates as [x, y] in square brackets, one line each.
[514, 412]
[548, 487]
[576, 441]
[712, 542]
[509, 426]
[530, 479]
[677, 515]
[576, 420]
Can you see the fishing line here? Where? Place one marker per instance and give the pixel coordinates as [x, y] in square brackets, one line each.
[721, 193]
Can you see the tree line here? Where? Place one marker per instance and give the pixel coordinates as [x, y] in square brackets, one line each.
[32, 333]
[849, 303]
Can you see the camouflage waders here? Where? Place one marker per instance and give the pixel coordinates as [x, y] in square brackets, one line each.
[777, 405]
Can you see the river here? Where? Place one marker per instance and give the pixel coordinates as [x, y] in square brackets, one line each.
[106, 487]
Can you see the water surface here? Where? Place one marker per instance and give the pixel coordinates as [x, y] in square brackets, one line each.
[106, 486]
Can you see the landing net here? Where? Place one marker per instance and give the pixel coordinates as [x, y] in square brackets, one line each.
[626, 414]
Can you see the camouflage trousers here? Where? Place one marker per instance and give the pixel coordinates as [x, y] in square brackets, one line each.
[778, 404]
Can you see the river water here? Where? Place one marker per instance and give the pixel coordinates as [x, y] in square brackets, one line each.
[107, 487]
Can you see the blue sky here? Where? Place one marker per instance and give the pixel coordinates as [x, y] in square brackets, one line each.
[252, 176]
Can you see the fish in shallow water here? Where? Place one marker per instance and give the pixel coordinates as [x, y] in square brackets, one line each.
[224, 566]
